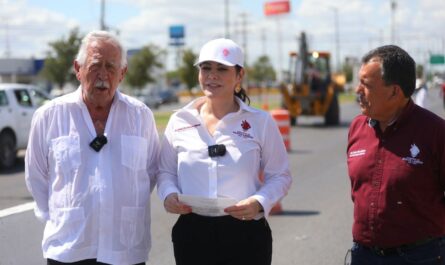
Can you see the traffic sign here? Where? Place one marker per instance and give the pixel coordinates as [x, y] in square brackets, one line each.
[437, 59]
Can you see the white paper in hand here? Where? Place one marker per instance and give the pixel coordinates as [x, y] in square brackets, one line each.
[207, 206]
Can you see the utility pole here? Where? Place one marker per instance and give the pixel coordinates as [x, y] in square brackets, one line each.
[263, 40]
[102, 15]
[244, 35]
[280, 51]
[7, 41]
[7, 44]
[393, 22]
[227, 31]
[337, 38]
[244, 45]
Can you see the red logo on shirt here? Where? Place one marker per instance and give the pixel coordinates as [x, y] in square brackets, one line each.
[245, 125]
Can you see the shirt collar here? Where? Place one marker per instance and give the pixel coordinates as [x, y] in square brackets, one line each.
[406, 112]
[403, 117]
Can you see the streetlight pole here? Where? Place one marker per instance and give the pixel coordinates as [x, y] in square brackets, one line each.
[102, 15]
[226, 5]
[393, 23]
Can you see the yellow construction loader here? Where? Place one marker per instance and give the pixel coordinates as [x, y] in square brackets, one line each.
[310, 88]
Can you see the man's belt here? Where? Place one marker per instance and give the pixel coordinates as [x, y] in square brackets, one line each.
[394, 250]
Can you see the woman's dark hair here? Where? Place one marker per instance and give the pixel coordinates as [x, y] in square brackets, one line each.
[242, 94]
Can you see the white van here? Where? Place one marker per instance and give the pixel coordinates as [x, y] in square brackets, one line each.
[17, 105]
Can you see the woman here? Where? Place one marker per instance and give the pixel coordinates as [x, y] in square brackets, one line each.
[215, 147]
[443, 93]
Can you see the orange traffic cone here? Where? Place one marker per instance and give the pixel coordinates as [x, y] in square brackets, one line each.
[281, 117]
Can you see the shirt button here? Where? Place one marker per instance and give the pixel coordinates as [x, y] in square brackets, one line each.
[372, 204]
[372, 227]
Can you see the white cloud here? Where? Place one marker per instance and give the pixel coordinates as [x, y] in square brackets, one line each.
[363, 24]
[27, 30]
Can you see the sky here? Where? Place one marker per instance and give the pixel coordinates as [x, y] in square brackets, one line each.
[27, 26]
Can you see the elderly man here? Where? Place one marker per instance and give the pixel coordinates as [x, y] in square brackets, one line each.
[91, 164]
[396, 161]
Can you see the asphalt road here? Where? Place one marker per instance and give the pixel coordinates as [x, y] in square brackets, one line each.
[314, 228]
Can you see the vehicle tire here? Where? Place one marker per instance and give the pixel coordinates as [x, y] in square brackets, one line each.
[332, 116]
[8, 151]
[293, 121]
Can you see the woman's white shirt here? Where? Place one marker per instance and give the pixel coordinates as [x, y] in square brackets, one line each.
[253, 143]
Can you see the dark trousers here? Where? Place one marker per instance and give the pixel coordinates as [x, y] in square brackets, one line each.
[81, 262]
[431, 253]
[200, 240]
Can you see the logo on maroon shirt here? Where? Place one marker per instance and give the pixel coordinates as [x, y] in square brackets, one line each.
[355, 153]
[414, 151]
[245, 125]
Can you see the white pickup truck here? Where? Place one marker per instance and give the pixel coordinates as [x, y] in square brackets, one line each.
[17, 105]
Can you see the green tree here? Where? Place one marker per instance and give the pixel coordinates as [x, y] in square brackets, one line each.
[142, 65]
[262, 70]
[419, 71]
[188, 73]
[58, 67]
[348, 71]
[172, 77]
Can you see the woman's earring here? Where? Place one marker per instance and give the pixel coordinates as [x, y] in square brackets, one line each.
[237, 88]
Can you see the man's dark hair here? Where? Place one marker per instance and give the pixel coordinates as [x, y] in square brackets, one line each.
[397, 67]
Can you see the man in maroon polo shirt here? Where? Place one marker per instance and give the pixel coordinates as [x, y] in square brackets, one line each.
[396, 163]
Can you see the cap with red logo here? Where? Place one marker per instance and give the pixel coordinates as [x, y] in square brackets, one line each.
[223, 51]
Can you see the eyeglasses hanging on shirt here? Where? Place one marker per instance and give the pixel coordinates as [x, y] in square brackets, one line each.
[98, 142]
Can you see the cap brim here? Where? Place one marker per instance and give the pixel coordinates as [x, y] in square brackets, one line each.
[215, 60]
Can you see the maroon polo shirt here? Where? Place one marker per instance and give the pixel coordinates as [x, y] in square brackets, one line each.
[397, 178]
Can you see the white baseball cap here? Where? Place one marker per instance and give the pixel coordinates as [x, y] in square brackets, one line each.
[223, 51]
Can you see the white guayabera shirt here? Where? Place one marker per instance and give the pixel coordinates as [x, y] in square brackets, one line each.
[253, 143]
[95, 204]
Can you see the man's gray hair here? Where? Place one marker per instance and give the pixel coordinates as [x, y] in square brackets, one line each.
[103, 36]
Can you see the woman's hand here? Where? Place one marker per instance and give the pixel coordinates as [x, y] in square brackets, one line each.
[173, 205]
[245, 210]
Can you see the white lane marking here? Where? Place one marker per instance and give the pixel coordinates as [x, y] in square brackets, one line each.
[17, 209]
